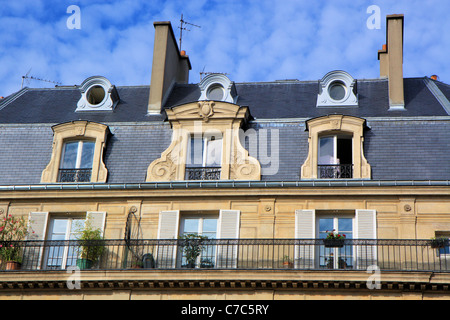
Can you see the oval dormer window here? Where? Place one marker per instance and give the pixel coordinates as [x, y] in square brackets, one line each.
[95, 95]
[215, 92]
[337, 91]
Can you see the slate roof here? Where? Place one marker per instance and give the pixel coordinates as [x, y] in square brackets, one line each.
[408, 145]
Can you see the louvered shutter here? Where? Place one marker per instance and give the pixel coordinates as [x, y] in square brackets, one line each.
[34, 249]
[305, 222]
[227, 251]
[167, 231]
[366, 228]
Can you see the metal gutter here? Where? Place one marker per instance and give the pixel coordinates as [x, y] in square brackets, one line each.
[227, 184]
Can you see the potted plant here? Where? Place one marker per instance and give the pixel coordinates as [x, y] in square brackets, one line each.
[439, 242]
[334, 239]
[192, 246]
[287, 262]
[91, 245]
[12, 231]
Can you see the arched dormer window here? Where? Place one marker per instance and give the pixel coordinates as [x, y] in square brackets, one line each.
[336, 149]
[77, 153]
[337, 89]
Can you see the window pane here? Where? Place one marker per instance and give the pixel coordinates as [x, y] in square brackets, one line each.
[325, 224]
[326, 150]
[87, 155]
[59, 227]
[70, 155]
[195, 152]
[190, 225]
[209, 225]
[214, 153]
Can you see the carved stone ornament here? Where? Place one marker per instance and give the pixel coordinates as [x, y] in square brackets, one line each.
[206, 109]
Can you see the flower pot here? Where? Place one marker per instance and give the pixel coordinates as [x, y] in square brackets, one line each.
[84, 264]
[333, 243]
[288, 265]
[439, 243]
[13, 265]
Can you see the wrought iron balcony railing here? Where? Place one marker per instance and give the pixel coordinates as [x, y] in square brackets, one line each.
[231, 254]
[75, 175]
[337, 171]
[203, 173]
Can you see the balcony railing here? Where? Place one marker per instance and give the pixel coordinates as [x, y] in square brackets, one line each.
[74, 175]
[337, 171]
[295, 254]
[203, 173]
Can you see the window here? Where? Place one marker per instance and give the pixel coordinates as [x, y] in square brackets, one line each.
[204, 158]
[355, 224]
[335, 157]
[97, 94]
[204, 226]
[217, 87]
[77, 153]
[337, 89]
[76, 161]
[335, 257]
[60, 256]
[335, 149]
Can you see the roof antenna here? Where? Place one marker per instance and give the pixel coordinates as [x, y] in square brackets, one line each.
[37, 79]
[182, 22]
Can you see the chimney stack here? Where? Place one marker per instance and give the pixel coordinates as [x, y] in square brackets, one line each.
[391, 61]
[169, 66]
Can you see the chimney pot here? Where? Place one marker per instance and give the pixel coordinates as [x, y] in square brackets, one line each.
[434, 77]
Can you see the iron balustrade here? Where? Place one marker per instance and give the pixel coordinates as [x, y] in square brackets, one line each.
[295, 254]
[335, 171]
[75, 175]
[203, 173]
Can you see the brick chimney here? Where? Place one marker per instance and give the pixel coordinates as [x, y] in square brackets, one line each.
[169, 66]
[391, 61]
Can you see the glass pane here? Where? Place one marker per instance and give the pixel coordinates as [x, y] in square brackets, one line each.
[190, 225]
[345, 226]
[326, 150]
[70, 155]
[59, 227]
[195, 152]
[325, 224]
[214, 153]
[87, 155]
[209, 225]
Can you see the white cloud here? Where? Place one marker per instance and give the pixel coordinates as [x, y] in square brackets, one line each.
[250, 40]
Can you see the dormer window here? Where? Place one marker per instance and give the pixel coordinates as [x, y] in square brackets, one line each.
[217, 87]
[335, 158]
[336, 149]
[97, 94]
[337, 89]
[76, 161]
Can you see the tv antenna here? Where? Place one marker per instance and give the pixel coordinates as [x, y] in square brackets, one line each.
[37, 79]
[181, 27]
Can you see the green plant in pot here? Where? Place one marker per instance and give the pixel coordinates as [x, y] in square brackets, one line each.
[91, 245]
[192, 245]
[12, 232]
[439, 242]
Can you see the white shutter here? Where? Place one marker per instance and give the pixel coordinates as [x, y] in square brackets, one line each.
[305, 226]
[228, 229]
[167, 229]
[33, 252]
[97, 219]
[366, 228]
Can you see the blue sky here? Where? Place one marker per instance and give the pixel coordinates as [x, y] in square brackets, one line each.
[249, 40]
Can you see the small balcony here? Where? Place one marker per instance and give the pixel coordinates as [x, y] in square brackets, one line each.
[229, 254]
[203, 173]
[74, 175]
[338, 171]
